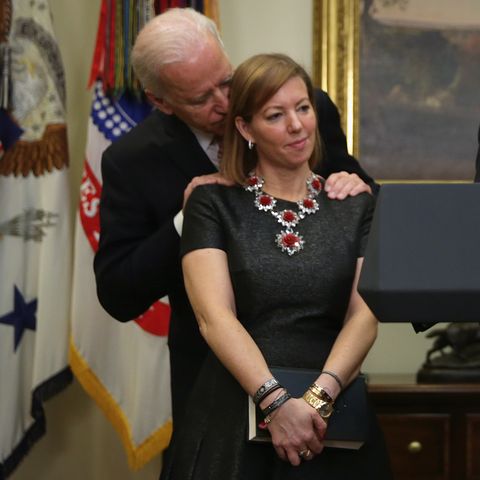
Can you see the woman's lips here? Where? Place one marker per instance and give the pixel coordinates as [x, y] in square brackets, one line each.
[298, 144]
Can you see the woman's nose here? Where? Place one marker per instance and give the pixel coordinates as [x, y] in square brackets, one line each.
[294, 123]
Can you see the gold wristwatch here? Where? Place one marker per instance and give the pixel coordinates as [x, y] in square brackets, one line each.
[321, 405]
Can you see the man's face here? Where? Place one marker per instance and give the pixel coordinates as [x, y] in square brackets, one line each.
[197, 91]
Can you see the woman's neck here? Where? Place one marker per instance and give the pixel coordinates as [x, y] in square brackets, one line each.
[285, 184]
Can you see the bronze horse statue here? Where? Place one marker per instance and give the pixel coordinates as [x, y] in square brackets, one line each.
[460, 337]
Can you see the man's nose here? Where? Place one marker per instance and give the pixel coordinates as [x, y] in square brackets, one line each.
[220, 97]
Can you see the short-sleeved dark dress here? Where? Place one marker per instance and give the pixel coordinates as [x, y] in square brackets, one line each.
[293, 307]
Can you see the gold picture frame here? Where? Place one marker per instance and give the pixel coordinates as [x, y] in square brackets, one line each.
[336, 35]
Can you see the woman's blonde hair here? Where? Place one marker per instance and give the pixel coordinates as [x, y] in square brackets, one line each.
[254, 82]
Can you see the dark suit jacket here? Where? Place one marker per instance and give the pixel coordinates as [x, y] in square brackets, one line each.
[477, 171]
[144, 175]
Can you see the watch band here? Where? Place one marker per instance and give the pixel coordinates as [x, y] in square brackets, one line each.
[323, 407]
[320, 392]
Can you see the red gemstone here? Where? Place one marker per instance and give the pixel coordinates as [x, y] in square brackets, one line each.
[262, 425]
[316, 184]
[290, 239]
[308, 203]
[289, 216]
[252, 181]
[265, 200]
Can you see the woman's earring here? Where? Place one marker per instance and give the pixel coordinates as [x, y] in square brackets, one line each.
[250, 144]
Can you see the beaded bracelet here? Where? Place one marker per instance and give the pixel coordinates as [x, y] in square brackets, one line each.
[268, 387]
[333, 375]
[276, 404]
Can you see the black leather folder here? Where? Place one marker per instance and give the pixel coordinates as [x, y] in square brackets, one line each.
[422, 262]
[347, 427]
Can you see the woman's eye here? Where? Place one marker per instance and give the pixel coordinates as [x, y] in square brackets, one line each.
[304, 108]
[274, 116]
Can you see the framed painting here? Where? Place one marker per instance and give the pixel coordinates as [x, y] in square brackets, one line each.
[405, 75]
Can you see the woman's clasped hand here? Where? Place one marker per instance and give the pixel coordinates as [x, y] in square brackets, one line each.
[297, 431]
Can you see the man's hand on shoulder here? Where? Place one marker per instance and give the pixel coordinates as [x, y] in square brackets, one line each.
[204, 180]
[340, 185]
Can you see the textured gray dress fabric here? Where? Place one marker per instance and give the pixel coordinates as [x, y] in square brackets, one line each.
[293, 307]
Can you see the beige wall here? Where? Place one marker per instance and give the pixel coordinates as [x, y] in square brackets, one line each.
[80, 443]
[252, 26]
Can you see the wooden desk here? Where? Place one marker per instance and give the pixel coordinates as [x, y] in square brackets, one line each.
[432, 431]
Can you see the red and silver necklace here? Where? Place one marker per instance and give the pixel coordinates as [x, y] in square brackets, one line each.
[287, 240]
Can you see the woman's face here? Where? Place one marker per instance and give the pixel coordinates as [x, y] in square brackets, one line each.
[283, 130]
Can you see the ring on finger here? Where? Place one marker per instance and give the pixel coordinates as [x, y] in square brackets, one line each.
[305, 453]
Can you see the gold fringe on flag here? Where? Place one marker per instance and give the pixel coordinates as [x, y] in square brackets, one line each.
[138, 455]
[39, 156]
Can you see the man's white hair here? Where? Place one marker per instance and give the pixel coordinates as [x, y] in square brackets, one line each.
[168, 38]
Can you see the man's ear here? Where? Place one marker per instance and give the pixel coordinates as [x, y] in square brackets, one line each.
[244, 128]
[159, 102]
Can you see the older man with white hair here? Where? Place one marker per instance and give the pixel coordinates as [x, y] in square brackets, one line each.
[149, 173]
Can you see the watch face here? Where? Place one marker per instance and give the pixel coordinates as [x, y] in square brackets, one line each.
[325, 409]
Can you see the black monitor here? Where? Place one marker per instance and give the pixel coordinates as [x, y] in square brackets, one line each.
[422, 262]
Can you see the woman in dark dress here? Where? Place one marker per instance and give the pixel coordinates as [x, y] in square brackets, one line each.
[271, 267]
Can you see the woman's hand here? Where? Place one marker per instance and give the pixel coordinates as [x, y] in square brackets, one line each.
[296, 427]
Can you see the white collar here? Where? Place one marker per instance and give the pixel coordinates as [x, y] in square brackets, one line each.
[203, 138]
